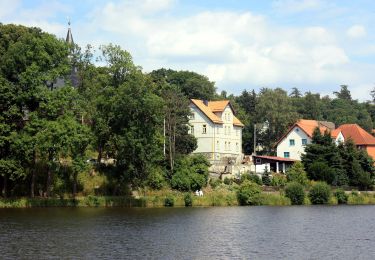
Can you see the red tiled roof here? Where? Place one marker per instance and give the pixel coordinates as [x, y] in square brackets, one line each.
[357, 134]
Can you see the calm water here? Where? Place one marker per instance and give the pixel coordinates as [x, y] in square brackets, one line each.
[332, 232]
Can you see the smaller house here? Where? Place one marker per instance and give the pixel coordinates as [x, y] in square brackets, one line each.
[263, 163]
[292, 144]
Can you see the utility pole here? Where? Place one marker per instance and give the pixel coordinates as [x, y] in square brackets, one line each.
[164, 136]
[255, 138]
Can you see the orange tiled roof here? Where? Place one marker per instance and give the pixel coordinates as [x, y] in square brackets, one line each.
[357, 134]
[218, 106]
[308, 126]
[207, 111]
[215, 106]
[335, 133]
[237, 122]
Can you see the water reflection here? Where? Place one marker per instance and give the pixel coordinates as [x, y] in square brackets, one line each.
[343, 232]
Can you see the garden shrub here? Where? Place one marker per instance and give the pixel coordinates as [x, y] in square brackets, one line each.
[251, 177]
[278, 180]
[169, 201]
[364, 180]
[341, 196]
[320, 193]
[191, 173]
[297, 173]
[249, 193]
[155, 179]
[294, 191]
[181, 181]
[228, 181]
[266, 180]
[215, 182]
[320, 171]
[188, 199]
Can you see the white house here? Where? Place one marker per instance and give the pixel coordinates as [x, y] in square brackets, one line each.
[217, 129]
[292, 144]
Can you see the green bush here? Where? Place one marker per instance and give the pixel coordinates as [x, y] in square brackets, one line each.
[249, 193]
[155, 179]
[266, 180]
[228, 181]
[341, 196]
[214, 182]
[320, 171]
[181, 181]
[364, 180]
[294, 191]
[191, 173]
[169, 201]
[278, 180]
[188, 199]
[297, 173]
[320, 193]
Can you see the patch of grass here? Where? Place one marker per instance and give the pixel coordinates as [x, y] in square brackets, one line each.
[274, 199]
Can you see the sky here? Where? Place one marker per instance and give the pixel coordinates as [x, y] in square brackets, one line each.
[314, 45]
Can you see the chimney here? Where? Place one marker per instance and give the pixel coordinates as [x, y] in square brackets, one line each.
[205, 102]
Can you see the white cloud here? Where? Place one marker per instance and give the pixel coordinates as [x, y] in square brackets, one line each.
[234, 49]
[356, 31]
[8, 7]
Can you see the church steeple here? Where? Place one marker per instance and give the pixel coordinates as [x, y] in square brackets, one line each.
[69, 36]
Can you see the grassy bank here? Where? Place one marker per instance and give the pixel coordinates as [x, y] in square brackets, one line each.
[156, 198]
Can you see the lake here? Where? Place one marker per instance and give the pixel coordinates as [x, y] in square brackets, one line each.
[300, 232]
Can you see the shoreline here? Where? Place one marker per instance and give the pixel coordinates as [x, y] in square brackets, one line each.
[156, 199]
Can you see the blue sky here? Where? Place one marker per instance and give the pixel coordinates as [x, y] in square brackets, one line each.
[314, 45]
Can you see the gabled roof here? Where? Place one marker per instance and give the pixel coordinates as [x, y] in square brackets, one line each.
[335, 133]
[219, 106]
[215, 106]
[237, 122]
[207, 111]
[357, 134]
[307, 126]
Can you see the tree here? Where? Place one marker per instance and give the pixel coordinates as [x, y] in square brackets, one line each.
[191, 84]
[295, 93]
[344, 93]
[176, 112]
[275, 110]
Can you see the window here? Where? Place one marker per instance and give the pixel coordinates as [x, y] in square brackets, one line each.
[204, 130]
[237, 132]
[304, 141]
[291, 142]
[226, 146]
[237, 147]
[286, 154]
[217, 145]
[192, 116]
[192, 129]
[229, 146]
[229, 130]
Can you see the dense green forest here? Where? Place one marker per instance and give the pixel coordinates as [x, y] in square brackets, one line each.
[116, 113]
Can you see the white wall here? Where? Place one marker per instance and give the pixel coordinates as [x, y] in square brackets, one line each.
[294, 151]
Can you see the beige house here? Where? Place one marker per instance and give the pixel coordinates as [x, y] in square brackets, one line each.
[218, 131]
